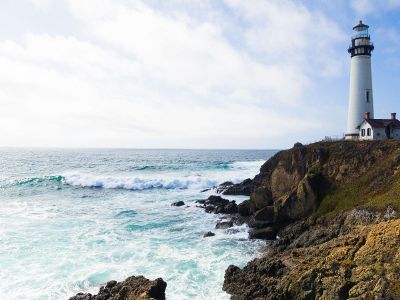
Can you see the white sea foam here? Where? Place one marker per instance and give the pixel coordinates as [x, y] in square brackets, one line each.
[76, 239]
[136, 183]
[237, 171]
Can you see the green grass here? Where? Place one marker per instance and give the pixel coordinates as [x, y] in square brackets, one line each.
[369, 190]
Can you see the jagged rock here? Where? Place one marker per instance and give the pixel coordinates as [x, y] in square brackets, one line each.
[208, 234]
[226, 184]
[265, 214]
[216, 200]
[243, 188]
[326, 259]
[223, 224]
[244, 208]
[230, 208]
[298, 145]
[132, 288]
[178, 203]
[218, 205]
[266, 233]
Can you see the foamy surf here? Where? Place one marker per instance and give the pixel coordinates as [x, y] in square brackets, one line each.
[77, 219]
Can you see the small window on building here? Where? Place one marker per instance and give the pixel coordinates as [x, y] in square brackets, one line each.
[369, 132]
[367, 96]
[378, 134]
[362, 132]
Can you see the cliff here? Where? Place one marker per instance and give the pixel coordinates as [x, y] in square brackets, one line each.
[333, 207]
[323, 178]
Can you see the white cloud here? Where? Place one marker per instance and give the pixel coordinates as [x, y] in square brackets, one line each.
[364, 8]
[141, 77]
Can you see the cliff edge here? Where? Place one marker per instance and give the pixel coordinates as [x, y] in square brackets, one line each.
[333, 207]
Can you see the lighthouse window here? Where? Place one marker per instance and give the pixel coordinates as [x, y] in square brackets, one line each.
[362, 132]
[368, 131]
[367, 96]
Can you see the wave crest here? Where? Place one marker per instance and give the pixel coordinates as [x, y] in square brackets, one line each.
[136, 183]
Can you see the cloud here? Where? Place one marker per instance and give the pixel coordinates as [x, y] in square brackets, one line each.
[135, 75]
[364, 8]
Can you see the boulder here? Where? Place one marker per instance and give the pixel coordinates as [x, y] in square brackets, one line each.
[244, 208]
[134, 287]
[208, 234]
[230, 208]
[243, 188]
[264, 233]
[216, 200]
[178, 203]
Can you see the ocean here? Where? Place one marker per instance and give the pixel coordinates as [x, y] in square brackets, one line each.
[71, 220]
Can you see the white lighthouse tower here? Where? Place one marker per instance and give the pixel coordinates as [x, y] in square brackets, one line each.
[360, 96]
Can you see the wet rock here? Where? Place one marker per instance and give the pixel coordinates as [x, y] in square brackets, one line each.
[178, 203]
[263, 233]
[224, 224]
[218, 205]
[216, 200]
[230, 208]
[205, 190]
[134, 287]
[243, 188]
[201, 201]
[208, 234]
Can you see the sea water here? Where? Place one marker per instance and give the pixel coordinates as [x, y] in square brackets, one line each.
[71, 220]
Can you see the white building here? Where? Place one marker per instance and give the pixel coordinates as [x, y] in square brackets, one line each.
[379, 129]
[360, 94]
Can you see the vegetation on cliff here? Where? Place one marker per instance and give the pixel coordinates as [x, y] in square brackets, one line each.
[333, 206]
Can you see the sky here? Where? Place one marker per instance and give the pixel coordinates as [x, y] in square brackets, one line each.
[187, 74]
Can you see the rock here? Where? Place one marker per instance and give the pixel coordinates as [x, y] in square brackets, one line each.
[208, 234]
[224, 224]
[339, 258]
[264, 233]
[134, 287]
[226, 184]
[258, 224]
[243, 188]
[218, 205]
[265, 214]
[201, 201]
[298, 145]
[205, 190]
[261, 197]
[216, 200]
[179, 203]
[244, 208]
[230, 208]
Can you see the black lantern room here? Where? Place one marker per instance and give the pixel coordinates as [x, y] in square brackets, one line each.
[360, 41]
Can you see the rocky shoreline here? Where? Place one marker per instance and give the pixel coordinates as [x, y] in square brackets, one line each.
[132, 288]
[331, 212]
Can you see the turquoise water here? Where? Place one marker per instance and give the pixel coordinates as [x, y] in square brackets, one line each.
[71, 220]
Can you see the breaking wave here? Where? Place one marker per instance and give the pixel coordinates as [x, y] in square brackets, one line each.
[136, 183]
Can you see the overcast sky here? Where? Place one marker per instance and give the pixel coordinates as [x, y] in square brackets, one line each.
[186, 74]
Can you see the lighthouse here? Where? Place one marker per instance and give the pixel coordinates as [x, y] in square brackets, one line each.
[360, 94]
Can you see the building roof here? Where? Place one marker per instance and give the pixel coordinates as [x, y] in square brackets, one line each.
[382, 123]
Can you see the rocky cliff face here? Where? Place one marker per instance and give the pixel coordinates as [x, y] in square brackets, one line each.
[353, 256]
[291, 184]
[333, 207]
